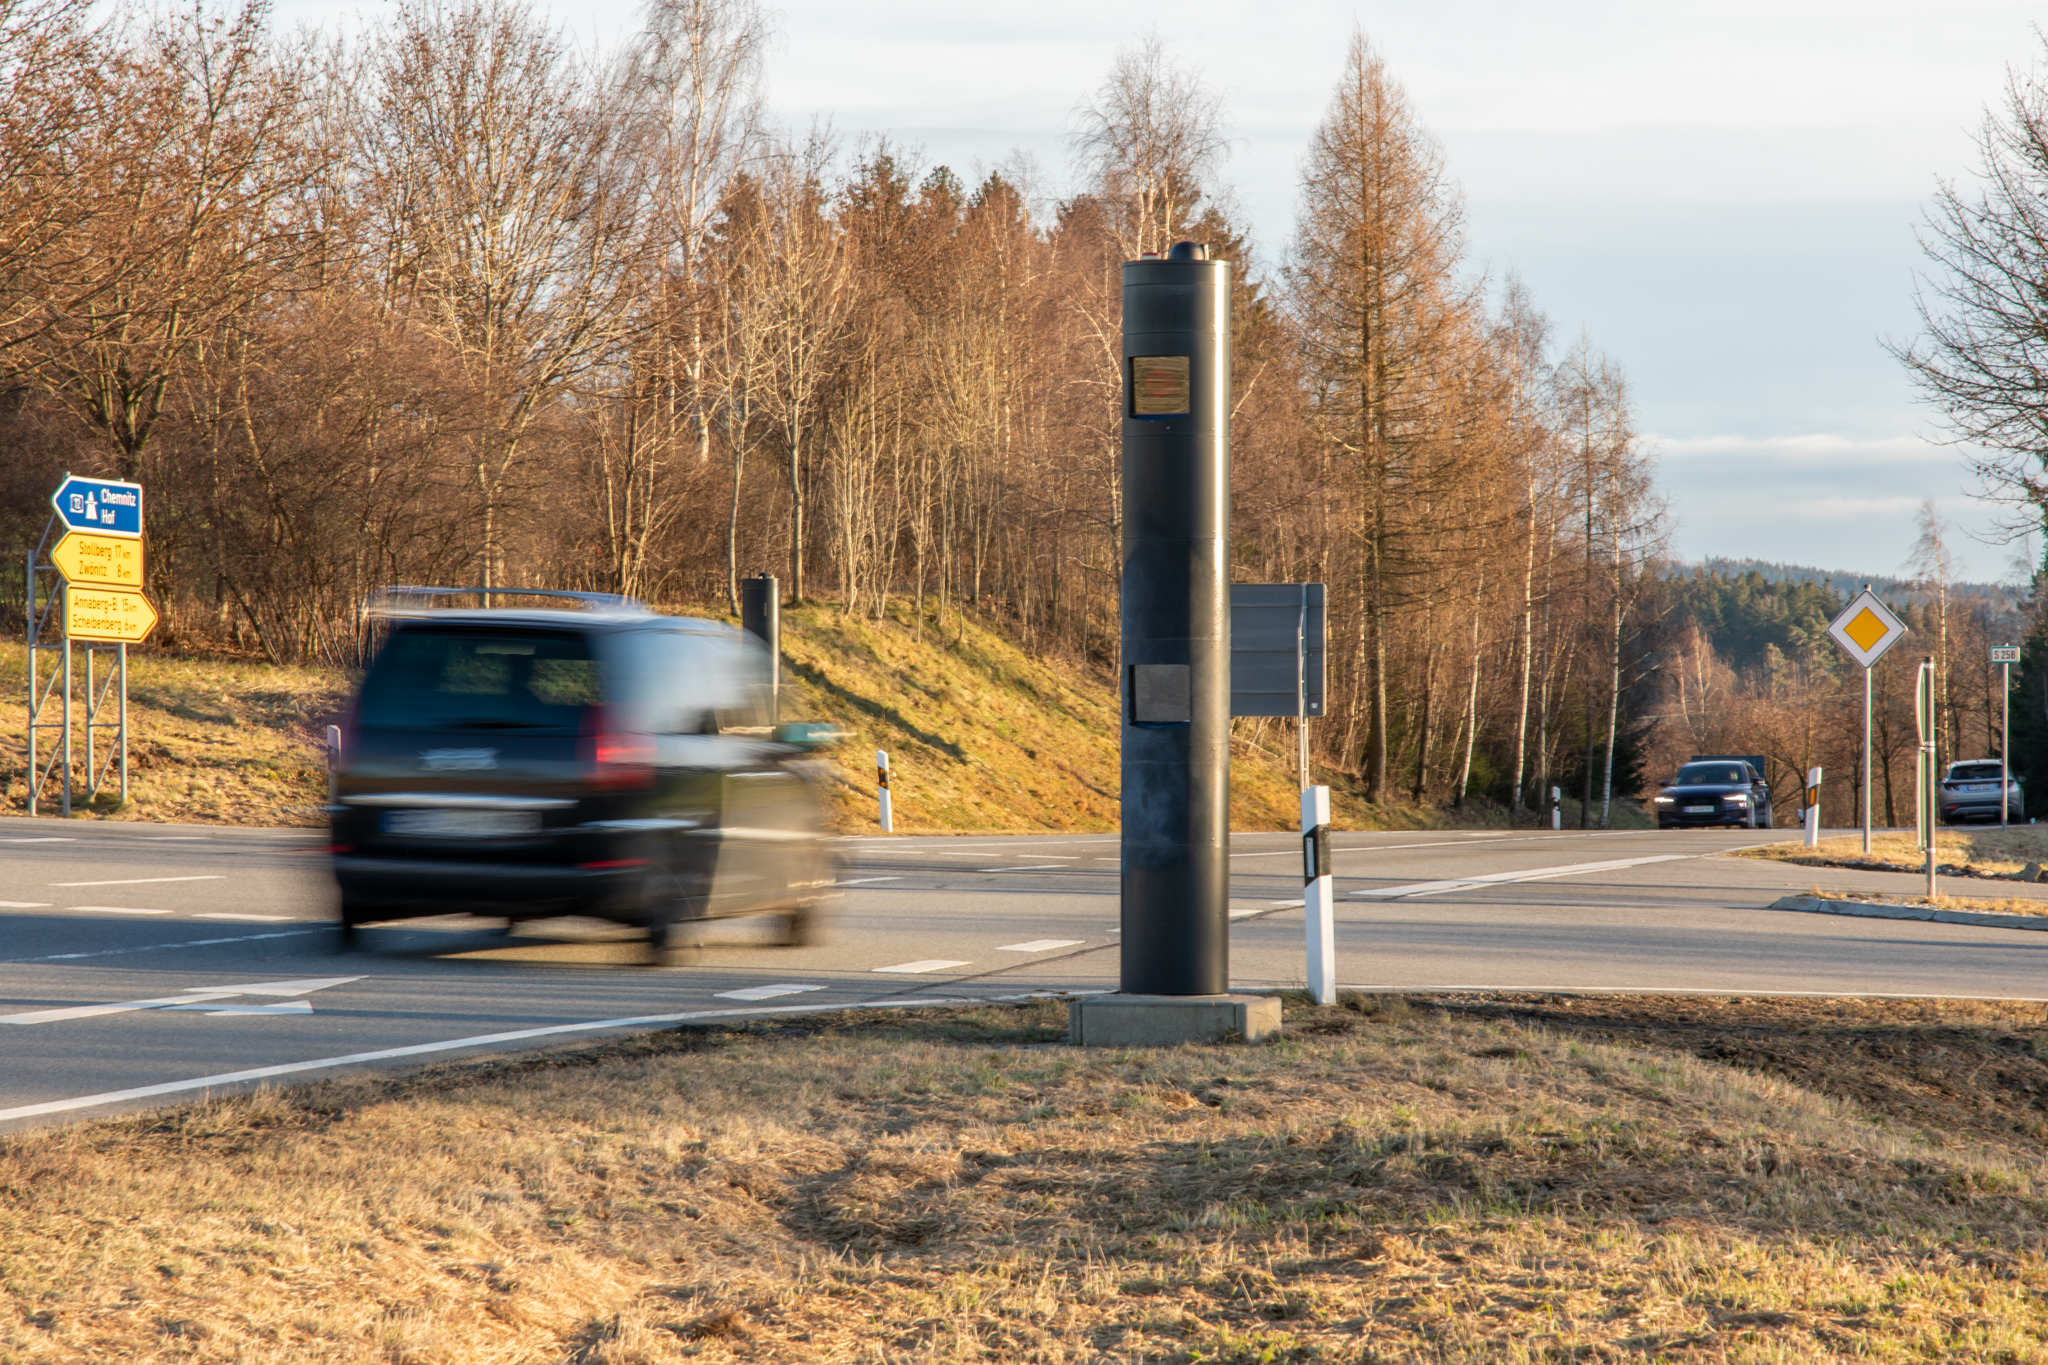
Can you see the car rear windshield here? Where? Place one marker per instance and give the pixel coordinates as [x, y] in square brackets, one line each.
[1710, 774]
[436, 679]
[1974, 772]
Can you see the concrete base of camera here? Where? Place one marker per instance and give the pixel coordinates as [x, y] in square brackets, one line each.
[1168, 1020]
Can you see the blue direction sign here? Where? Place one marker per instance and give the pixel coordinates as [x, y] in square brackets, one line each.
[102, 505]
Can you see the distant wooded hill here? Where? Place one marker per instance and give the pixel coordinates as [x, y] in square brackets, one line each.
[1841, 580]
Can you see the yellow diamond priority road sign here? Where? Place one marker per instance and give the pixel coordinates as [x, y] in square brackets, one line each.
[1866, 628]
[111, 561]
[107, 614]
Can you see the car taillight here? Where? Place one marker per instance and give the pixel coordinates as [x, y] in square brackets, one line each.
[617, 756]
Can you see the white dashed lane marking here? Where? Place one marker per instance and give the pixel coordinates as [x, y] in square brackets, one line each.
[1040, 945]
[118, 910]
[767, 992]
[1532, 874]
[254, 919]
[25, 905]
[1039, 867]
[930, 964]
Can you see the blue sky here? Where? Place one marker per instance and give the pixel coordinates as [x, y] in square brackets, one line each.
[1723, 196]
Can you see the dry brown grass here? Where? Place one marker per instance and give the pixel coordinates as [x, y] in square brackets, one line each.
[1997, 905]
[1961, 850]
[1486, 1179]
[215, 741]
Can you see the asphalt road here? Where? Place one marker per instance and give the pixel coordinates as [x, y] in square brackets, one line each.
[145, 963]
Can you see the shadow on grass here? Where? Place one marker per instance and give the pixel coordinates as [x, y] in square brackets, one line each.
[816, 677]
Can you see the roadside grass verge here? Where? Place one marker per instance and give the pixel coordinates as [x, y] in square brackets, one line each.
[1997, 905]
[214, 741]
[1962, 851]
[1469, 1178]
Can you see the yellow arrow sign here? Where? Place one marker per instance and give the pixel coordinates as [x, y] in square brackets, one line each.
[115, 561]
[107, 614]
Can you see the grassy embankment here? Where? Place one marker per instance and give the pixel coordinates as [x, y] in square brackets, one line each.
[1478, 1179]
[981, 735]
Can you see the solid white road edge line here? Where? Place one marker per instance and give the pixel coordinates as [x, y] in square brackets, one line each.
[146, 1092]
[138, 881]
[155, 947]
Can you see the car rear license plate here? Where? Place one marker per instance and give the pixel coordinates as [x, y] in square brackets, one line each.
[461, 824]
[1699, 810]
[1981, 787]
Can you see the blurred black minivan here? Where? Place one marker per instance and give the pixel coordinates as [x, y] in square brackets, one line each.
[592, 758]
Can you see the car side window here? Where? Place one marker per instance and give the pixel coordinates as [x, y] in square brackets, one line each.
[667, 679]
[743, 703]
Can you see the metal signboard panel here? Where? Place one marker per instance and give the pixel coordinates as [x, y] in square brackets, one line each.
[107, 614]
[1866, 629]
[109, 561]
[106, 506]
[1266, 620]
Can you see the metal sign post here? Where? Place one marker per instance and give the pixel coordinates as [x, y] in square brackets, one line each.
[97, 601]
[45, 637]
[2005, 656]
[1865, 630]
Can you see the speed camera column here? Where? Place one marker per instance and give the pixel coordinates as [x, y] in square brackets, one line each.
[1176, 624]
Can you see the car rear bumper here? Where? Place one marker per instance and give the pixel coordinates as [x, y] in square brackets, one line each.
[1976, 809]
[401, 887]
[1719, 817]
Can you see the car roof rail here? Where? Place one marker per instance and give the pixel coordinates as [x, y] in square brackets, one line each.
[399, 599]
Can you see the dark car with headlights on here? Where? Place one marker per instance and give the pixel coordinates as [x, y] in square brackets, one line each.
[586, 758]
[1970, 790]
[1716, 791]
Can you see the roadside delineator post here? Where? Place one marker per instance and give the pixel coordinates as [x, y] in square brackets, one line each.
[882, 783]
[1556, 809]
[1812, 820]
[1317, 888]
[333, 765]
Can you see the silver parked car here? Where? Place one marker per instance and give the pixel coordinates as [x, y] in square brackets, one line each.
[1970, 791]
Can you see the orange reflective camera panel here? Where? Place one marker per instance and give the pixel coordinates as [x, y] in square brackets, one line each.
[1159, 385]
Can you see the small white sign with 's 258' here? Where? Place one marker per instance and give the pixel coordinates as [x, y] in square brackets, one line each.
[2005, 654]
